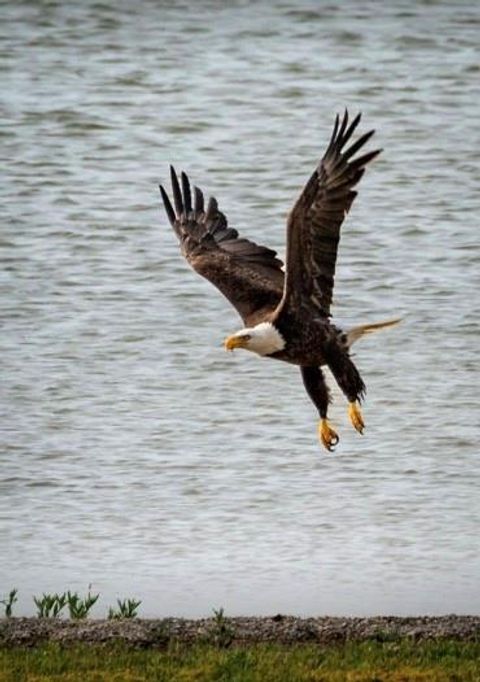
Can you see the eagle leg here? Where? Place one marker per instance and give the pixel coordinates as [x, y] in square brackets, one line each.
[355, 415]
[351, 383]
[317, 389]
[328, 436]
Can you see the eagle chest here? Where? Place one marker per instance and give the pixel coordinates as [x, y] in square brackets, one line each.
[307, 341]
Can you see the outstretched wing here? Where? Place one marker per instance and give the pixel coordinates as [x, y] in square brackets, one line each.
[313, 229]
[248, 275]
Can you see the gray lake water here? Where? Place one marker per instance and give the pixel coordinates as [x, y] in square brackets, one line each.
[136, 455]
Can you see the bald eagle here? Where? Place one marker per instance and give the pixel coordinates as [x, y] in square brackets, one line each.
[286, 311]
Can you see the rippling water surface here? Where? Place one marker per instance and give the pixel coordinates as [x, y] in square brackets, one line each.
[135, 454]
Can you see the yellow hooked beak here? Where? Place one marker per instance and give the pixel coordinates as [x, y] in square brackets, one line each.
[232, 342]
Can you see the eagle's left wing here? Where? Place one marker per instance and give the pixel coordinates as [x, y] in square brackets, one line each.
[250, 276]
[313, 229]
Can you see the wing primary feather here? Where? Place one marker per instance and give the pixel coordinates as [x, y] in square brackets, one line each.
[366, 158]
[351, 129]
[357, 145]
[357, 175]
[187, 195]
[342, 127]
[177, 195]
[212, 208]
[168, 207]
[334, 134]
[199, 205]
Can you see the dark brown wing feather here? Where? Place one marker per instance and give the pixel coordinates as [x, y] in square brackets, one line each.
[249, 275]
[313, 229]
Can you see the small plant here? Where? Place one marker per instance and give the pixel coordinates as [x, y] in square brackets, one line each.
[79, 608]
[50, 605]
[221, 634]
[9, 601]
[127, 608]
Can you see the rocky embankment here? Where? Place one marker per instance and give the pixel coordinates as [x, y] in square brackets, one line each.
[226, 631]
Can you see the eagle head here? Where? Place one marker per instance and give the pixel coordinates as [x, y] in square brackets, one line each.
[263, 339]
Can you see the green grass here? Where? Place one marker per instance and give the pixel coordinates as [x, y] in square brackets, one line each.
[401, 661]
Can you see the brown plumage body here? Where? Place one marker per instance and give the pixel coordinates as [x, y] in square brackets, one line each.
[286, 314]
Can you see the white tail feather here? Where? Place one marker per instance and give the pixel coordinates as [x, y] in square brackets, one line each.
[357, 332]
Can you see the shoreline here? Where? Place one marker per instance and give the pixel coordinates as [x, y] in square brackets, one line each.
[279, 629]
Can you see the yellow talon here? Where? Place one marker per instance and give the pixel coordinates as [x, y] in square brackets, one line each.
[355, 415]
[327, 435]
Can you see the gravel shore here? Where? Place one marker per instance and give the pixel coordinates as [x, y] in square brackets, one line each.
[276, 629]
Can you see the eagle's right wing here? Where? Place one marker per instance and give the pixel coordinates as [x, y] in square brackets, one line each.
[313, 230]
[248, 275]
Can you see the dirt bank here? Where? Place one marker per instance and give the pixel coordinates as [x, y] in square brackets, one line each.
[279, 629]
